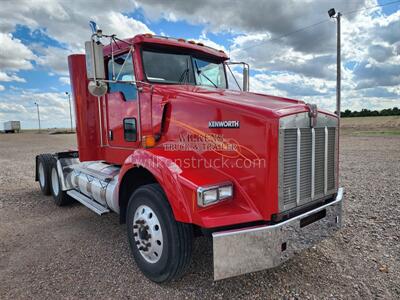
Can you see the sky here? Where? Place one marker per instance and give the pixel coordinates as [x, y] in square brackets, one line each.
[36, 36]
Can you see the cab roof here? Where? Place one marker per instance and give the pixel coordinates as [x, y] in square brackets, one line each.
[122, 46]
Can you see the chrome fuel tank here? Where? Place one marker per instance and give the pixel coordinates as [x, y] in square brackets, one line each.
[97, 180]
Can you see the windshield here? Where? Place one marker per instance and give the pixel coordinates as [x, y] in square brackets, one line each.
[164, 67]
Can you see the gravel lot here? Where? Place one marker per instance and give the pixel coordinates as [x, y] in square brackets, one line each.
[52, 252]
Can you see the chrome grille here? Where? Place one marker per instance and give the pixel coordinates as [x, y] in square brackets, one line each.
[307, 161]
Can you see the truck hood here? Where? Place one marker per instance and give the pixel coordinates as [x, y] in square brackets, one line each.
[264, 104]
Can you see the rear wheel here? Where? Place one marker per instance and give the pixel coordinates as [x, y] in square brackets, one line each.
[44, 162]
[60, 197]
[161, 246]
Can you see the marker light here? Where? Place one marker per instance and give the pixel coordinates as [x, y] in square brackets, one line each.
[212, 194]
[148, 141]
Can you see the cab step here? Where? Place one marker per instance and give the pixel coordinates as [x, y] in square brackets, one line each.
[89, 203]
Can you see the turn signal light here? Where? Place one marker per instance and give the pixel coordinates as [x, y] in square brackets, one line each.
[148, 141]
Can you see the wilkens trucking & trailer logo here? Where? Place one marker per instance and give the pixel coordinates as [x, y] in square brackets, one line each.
[198, 141]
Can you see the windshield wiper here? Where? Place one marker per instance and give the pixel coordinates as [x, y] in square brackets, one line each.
[184, 76]
[185, 73]
[199, 72]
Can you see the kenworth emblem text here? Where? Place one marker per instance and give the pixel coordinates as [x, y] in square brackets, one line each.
[223, 124]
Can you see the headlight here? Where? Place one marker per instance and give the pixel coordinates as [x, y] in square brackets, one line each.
[213, 194]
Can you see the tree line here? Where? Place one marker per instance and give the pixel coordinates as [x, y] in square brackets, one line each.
[371, 113]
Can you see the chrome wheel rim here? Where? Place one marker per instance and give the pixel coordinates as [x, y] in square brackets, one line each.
[148, 234]
[41, 175]
[54, 181]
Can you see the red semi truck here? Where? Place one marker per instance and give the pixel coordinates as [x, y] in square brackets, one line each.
[170, 146]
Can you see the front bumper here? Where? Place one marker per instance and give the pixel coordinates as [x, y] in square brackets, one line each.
[247, 250]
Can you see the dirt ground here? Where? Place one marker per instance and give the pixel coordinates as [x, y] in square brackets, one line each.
[48, 252]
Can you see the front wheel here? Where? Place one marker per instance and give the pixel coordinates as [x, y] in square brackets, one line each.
[161, 246]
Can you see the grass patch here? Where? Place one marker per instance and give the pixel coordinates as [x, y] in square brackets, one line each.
[377, 133]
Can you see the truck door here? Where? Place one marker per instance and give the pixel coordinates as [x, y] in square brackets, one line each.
[122, 104]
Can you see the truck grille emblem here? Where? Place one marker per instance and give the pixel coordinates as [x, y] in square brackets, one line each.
[313, 113]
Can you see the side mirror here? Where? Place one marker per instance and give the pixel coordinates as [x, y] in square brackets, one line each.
[245, 74]
[94, 60]
[97, 88]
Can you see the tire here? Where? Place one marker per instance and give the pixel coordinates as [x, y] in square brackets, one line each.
[173, 239]
[59, 196]
[44, 162]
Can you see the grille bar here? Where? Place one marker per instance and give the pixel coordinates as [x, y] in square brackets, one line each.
[326, 162]
[312, 163]
[298, 166]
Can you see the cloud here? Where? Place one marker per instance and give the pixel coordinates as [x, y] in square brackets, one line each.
[67, 21]
[2, 88]
[63, 21]
[55, 59]
[380, 53]
[122, 26]
[19, 105]
[372, 75]
[10, 77]
[14, 55]
[254, 16]
[64, 80]
[388, 29]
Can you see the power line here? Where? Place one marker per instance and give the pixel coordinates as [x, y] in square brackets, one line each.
[315, 24]
[366, 8]
[287, 34]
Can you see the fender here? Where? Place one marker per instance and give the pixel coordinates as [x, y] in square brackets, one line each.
[180, 187]
[166, 173]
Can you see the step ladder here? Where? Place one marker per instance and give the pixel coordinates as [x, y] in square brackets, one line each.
[89, 203]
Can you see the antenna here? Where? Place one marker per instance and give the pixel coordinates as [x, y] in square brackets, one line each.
[93, 26]
[95, 29]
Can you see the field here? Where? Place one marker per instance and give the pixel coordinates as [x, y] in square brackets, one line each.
[51, 252]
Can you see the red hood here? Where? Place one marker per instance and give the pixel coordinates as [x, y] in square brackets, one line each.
[265, 104]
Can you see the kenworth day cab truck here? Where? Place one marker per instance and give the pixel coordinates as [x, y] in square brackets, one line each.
[176, 152]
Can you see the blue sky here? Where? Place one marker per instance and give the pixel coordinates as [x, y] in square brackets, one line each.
[38, 37]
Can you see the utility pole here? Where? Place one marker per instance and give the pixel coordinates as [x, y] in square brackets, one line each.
[338, 67]
[70, 110]
[332, 14]
[38, 115]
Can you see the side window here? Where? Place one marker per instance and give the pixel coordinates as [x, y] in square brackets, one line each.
[130, 129]
[124, 64]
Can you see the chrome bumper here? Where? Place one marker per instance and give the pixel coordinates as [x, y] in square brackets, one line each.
[247, 250]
